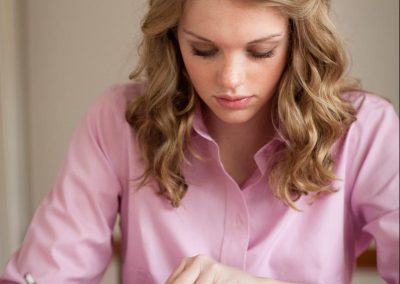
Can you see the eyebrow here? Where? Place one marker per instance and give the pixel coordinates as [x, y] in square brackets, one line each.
[266, 38]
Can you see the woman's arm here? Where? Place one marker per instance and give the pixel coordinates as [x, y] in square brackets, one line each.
[69, 238]
[375, 187]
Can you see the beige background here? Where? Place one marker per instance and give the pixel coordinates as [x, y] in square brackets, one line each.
[65, 53]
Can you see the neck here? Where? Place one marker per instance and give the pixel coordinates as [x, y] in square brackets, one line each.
[238, 143]
[248, 136]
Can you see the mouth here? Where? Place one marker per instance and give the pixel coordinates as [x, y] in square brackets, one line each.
[236, 102]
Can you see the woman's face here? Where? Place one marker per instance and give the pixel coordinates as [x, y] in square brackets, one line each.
[234, 53]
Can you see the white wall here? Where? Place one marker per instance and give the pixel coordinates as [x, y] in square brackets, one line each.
[13, 167]
[371, 32]
[75, 49]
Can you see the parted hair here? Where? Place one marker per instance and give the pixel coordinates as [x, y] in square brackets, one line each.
[309, 111]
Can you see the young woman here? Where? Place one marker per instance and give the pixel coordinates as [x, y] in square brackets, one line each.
[245, 156]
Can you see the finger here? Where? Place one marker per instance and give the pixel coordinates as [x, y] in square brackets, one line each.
[198, 269]
[205, 277]
[189, 274]
[178, 270]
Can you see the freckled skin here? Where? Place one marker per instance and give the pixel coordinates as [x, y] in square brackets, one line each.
[232, 70]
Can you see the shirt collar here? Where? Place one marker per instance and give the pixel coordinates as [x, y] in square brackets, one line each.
[262, 157]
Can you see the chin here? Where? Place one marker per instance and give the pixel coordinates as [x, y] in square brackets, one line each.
[234, 118]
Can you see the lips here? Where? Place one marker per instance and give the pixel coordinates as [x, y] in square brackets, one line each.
[236, 102]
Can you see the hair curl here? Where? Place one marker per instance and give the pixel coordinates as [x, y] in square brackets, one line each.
[309, 112]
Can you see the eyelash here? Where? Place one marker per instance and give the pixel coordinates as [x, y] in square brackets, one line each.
[264, 55]
[204, 53]
[212, 52]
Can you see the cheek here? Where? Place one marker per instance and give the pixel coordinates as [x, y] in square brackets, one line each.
[272, 73]
[198, 73]
[196, 67]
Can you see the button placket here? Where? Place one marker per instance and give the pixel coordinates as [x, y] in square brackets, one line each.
[236, 234]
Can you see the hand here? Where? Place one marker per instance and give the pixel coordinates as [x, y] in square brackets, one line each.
[204, 270]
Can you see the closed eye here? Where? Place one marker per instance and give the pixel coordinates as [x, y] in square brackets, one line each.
[262, 55]
[204, 53]
[207, 53]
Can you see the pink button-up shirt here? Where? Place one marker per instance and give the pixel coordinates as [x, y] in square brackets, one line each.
[69, 239]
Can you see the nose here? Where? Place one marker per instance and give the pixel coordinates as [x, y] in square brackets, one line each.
[231, 73]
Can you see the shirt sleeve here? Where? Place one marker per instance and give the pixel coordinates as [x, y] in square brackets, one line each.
[69, 239]
[375, 196]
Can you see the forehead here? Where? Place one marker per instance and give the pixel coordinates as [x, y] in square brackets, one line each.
[224, 20]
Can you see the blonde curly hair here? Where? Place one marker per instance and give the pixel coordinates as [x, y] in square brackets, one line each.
[309, 112]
